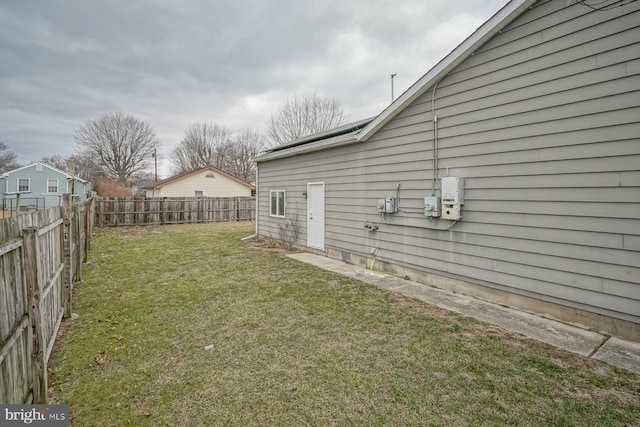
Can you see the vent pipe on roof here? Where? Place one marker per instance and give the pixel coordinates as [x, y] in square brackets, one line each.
[392, 76]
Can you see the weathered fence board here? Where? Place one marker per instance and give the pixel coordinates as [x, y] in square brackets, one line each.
[114, 212]
[34, 295]
[37, 319]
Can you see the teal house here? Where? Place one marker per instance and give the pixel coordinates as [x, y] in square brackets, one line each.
[39, 186]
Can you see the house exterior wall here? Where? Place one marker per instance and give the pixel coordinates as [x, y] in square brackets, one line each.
[81, 188]
[38, 182]
[543, 123]
[38, 186]
[218, 186]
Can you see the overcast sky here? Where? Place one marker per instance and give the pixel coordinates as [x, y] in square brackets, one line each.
[176, 62]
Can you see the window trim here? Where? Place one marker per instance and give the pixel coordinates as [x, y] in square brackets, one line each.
[57, 181]
[201, 194]
[277, 206]
[28, 185]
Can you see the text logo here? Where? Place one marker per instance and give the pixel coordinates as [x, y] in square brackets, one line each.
[34, 415]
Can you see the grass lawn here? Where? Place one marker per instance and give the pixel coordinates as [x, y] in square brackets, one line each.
[296, 345]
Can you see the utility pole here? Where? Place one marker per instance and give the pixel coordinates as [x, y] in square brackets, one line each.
[155, 179]
[392, 76]
[155, 159]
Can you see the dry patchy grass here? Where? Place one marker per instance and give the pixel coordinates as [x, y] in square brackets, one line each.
[296, 345]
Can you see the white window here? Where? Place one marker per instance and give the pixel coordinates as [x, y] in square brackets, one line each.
[52, 186]
[23, 184]
[276, 203]
[38, 168]
[199, 193]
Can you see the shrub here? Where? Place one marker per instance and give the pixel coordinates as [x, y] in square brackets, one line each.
[112, 188]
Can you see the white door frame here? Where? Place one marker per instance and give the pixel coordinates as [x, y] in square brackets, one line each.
[318, 242]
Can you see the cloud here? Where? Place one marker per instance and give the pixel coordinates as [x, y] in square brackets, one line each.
[177, 62]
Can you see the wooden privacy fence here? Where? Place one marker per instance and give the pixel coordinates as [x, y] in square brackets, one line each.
[40, 258]
[115, 211]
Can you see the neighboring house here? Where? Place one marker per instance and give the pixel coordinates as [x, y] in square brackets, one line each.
[539, 112]
[39, 186]
[205, 182]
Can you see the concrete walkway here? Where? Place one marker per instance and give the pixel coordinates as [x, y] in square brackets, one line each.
[612, 350]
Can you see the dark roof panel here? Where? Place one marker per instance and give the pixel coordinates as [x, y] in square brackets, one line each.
[340, 130]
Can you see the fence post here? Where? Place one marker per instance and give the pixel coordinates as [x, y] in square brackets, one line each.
[77, 241]
[85, 225]
[116, 209]
[92, 218]
[67, 242]
[100, 220]
[36, 317]
[162, 206]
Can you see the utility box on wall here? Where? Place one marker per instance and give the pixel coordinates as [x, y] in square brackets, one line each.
[452, 197]
[387, 205]
[452, 191]
[451, 212]
[432, 206]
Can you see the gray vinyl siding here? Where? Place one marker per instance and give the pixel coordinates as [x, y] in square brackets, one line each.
[543, 122]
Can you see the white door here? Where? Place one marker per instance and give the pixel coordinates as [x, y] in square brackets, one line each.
[315, 215]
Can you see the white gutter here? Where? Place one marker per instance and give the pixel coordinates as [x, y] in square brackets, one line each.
[257, 201]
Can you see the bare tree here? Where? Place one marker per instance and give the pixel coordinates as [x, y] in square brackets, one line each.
[88, 168]
[7, 158]
[139, 180]
[83, 166]
[300, 117]
[204, 144]
[57, 161]
[121, 144]
[245, 147]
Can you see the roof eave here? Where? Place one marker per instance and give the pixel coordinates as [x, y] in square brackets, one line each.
[158, 185]
[491, 27]
[345, 129]
[336, 141]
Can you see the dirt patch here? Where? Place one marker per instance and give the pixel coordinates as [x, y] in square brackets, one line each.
[137, 232]
[268, 245]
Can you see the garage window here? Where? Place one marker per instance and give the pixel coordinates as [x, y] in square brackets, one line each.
[276, 203]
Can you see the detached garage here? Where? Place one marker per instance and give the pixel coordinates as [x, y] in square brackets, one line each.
[208, 181]
[510, 171]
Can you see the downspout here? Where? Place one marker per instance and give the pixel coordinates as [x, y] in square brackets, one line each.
[254, 235]
[257, 188]
[373, 261]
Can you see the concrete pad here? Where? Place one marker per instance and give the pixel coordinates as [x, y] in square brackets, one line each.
[549, 331]
[615, 351]
[620, 353]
